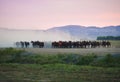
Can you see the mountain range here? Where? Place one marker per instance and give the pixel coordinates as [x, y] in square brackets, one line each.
[65, 33]
[91, 32]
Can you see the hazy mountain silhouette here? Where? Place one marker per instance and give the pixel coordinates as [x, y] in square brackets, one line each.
[88, 32]
[69, 32]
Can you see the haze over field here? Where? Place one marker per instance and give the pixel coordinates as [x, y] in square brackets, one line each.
[64, 33]
[37, 18]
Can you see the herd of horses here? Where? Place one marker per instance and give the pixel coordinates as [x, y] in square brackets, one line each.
[25, 44]
[65, 44]
[80, 44]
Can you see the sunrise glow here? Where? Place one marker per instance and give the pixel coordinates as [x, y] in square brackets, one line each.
[44, 14]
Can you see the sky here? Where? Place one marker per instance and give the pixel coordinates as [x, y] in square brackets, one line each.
[44, 14]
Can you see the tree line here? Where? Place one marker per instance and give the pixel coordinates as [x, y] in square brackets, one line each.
[108, 38]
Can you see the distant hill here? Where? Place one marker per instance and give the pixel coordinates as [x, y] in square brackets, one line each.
[82, 32]
[69, 32]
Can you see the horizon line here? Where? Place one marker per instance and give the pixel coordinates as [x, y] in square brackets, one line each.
[89, 26]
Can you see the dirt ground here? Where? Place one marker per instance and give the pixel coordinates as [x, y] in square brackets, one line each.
[98, 51]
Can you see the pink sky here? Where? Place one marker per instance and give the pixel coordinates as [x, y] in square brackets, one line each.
[44, 14]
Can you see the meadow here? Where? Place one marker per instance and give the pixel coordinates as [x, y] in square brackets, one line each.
[115, 43]
[114, 49]
[21, 66]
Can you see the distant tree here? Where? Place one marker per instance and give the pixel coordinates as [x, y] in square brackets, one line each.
[108, 38]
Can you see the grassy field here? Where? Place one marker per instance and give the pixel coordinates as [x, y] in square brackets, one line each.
[114, 49]
[115, 43]
[84, 51]
[21, 66]
[57, 73]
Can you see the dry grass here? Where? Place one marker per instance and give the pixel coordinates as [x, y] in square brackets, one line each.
[98, 51]
[115, 49]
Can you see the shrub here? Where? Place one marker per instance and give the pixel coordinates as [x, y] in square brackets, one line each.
[86, 60]
[9, 54]
[107, 61]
